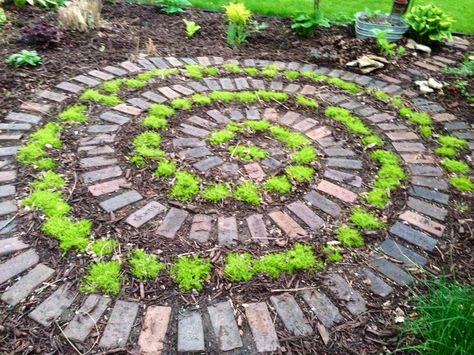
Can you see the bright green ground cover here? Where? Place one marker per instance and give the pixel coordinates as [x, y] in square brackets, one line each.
[462, 11]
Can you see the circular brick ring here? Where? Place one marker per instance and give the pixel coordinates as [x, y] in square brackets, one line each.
[414, 232]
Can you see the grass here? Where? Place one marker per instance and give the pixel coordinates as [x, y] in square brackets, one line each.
[190, 272]
[248, 192]
[344, 10]
[444, 320]
[145, 266]
[102, 276]
[185, 186]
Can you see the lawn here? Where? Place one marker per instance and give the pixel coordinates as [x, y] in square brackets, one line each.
[461, 11]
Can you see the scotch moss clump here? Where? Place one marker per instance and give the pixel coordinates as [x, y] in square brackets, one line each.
[306, 101]
[165, 168]
[239, 267]
[455, 166]
[220, 137]
[195, 71]
[154, 122]
[398, 102]
[372, 140]
[377, 197]
[157, 115]
[34, 151]
[248, 192]
[112, 86]
[419, 118]
[446, 151]
[185, 186]
[462, 183]
[278, 184]
[289, 138]
[103, 276]
[235, 127]
[385, 157]
[333, 253]
[391, 171]
[95, 96]
[147, 145]
[74, 113]
[216, 192]
[134, 83]
[145, 266]
[49, 181]
[233, 68]
[161, 110]
[222, 96]
[270, 71]
[365, 220]
[251, 71]
[70, 234]
[246, 97]
[350, 237]
[305, 155]
[248, 153]
[201, 99]
[300, 173]
[257, 126]
[48, 202]
[425, 131]
[344, 85]
[183, 104]
[104, 247]
[453, 142]
[267, 95]
[292, 74]
[352, 123]
[190, 272]
[380, 95]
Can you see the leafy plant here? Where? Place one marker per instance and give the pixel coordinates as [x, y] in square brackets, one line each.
[173, 7]
[191, 28]
[185, 186]
[190, 272]
[305, 25]
[248, 192]
[216, 192]
[238, 17]
[145, 266]
[429, 23]
[102, 276]
[464, 69]
[278, 184]
[387, 48]
[24, 58]
[42, 33]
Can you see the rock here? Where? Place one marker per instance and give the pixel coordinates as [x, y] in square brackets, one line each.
[424, 87]
[432, 83]
[378, 59]
[411, 44]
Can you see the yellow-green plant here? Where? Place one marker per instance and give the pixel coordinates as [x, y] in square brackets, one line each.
[238, 17]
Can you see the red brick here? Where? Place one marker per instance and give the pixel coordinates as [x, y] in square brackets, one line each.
[261, 325]
[7, 175]
[337, 191]
[287, 224]
[36, 107]
[130, 110]
[319, 133]
[444, 117]
[270, 114]
[155, 325]
[414, 158]
[255, 171]
[201, 228]
[423, 223]
[402, 136]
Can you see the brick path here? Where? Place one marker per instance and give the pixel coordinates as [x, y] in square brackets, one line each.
[218, 326]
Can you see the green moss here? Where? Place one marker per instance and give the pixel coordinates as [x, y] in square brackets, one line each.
[74, 113]
[269, 71]
[70, 234]
[385, 157]
[278, 184]
[134, 83]
[391, 172]
[289, 138]
[165, 168]
[333, 253]
[248, 153]
[462, 183]
[220, 137]
[48, 202]
[146, 76]
[272, 264]
[352, 123]
[350, 237]
[251, 71]
[453, 142]
[103, 276]
[377, 197]
[398, 102]
[235, 127]
[372, 140]
[248, 192]
[382, 96]
[222, 96]
[138, 160]
[183, 104]
[446, 151]
[154, 122]
[190, 272]
[365, 220]
[147, 145]
[387, 183]
[344, 85]
[305, 155]
[455, 166]
[425, 131]
[233, 68]
[419, 118]
[292, 74]
[272, 95]
[29, 154]
[306, 101]
[216, 192]
[195, 71]
[300, 173]
[95, 96]
[212, 71]
[238, 267]
[257, 126]
[145, 266]
[104, 247]
[201, 99]
[49, 181]
[185, 186]
[112, 86]
[160, 110]
[246, 97]
[314, 76]
[47, 135]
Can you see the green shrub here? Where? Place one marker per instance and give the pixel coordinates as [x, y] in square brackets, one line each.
[70, 234]
[185, 186]
[462, 183]
[365, 220]
[191, 28]
[455, 166]
[248, 153]
[48, 202]
[145, 266]
[248, 192]
[220, 137]
[350, 237]
[300, 173]
[239, 267]
[74, 113]
[428, 23]
[103, 276]
[278, 184]
[104, 247]
[305, 25]
[305, 155]
[190, 272]
[165, 168]
[217, 192]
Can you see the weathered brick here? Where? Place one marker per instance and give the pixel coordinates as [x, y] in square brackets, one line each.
[97, 161]
[350, 297]
[227, 232]
[174, 62]
[287, 224]
[276, 85]
[100, 75]
[291, 315]
[108, 187]
[23, 117]
[183, 90]
[351, 104]
[86, 318]
[129, 66]
[406, 147]
[255, 171]
[377, 285]
[35, 107]
[119, 326]
[257, 84]
[346, 178]
[115, 70]
[102, 128]
[303, 212]
[54, 305]
[129, 110]
[261, 325]
[198, 121]
[381, 117]
[153, 96]
[402, 136]
[224, 326]
[114, 118]
[194, 131]
[456, 126]
[11, 245]
[344, 163]
[423, 223]
[399, 252]
[444, 117]
[15, 126]
[102, 174]
[236, 115]
[428, 194]
[16, 265]
[218, 116]
[257, 228]
[86, 80]
[289, 118]
[242, 84]
[27, 284]
[8, 151]
[196, 86]
[392, 271]
[339, 152]
[117, 202]
[392, 127]
[92, 150]
[433, 183]
[159, 62]
[322, 307]
[366, 111]
[425, 170]
[188, 142]
[201, 228]
[7, 190]
[427, 208]
[418, 158]
[155, 325]
[140, 103]
[172, 223]
[337, 191]
[252, 114]
[7, 207]
[205, 61]
[145, 214]
[8, 175]
[227, 84]
[426, 65]
[190, 332]
[53, 96]
[198, 152]
[324, 204]
[413, 236]
[97, 140]
[292, 88]
[305, 125]
[208, 163]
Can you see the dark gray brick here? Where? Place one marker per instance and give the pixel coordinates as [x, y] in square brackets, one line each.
[172, 223]
[140, 103]
[145, 214]
[399, 252]
[236, 115]
[428, 194]
[413, 236]
[8, 151]
[350, 297]
[242, 84]
[198, 152]
[102, 128]
[224, 326]
[307, 215]
[194, 131]
[218, 116]
[343, 177]
[291, 315]
[427, 208]
[433, 183]
[23, 117]
[322, 307]
[201, 228]
[227, 232]
[188, 142]
[15, 126]
[117, 202]
[425, 170]
[11, 245]
[114, 118]
[115, 70]
[377, 285]
[97, 162]
[227, 84]
[212, 84]
[456, 126]
[344, 163]
[190, 332]
[257, 84]
[339, 152]
[257, 228]
[196, 86]
[324, 204]
[208, 163]
[16, 265]
[7, 207]
[198, 121]
[119, 326]
[69, 87]
[97, 140]
[159, 62]
[54, 305]
[153, 96]
[183, 90]
[392, 271]
[7, 190]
